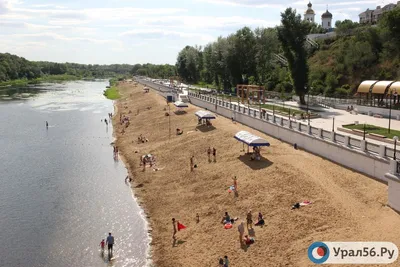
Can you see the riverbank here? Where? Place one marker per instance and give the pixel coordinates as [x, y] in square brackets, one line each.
[347, 206]
[112, 93]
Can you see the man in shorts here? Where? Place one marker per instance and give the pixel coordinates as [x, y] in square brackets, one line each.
[110, 243]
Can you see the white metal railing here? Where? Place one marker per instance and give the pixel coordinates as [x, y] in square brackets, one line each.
[353, 143]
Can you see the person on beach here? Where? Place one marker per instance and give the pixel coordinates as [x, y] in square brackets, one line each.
[221, 262]
[214, 151]
[197, 218]
[260, 221]
[191, 163]
[241, 232]
[249, 219]
[47, 124]
[226, 218]
[226, 261]
[105, 120]
[102, 244]
[174, 228]
[235, 188]
[110, 243]
[209, 154]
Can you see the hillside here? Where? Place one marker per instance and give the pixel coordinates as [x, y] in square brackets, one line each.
[357, 53]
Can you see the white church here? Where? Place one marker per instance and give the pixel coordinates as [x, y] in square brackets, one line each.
[326, 18]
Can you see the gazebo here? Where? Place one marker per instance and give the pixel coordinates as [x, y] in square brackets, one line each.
[251, 140]
[244, 91]
[180, 104]
[205, 115]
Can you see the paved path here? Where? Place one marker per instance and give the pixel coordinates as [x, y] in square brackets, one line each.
[342, 117]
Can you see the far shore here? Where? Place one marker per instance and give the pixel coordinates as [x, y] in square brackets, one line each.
[346, 206]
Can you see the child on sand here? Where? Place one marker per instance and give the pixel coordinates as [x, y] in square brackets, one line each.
[214, 154]
[174, 227]
[102, 244]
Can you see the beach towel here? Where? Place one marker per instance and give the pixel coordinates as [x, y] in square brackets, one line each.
[305, 203]
[231, 188]
[228, 226]
[181, 226]
[300, 204]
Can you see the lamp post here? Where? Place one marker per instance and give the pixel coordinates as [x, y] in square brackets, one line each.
[364, 132]
[273, 109]
[390, 109]
[333, 124]
[169, 120]
[395, 138]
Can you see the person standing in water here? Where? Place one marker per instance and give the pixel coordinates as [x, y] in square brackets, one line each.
[110, 243]
[47, 124]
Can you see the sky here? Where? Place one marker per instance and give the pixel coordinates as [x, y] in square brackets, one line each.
[141, 31]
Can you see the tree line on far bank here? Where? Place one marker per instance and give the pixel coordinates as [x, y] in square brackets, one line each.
[13, 68]
[357, 52]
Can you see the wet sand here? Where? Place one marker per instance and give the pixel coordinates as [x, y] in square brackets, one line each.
[347, 206]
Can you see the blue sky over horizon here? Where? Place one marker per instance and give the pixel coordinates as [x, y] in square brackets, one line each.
[137, 31]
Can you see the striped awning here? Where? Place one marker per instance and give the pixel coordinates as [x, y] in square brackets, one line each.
[365, 86]
[380, 87]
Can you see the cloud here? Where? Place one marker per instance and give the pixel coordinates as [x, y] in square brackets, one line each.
[204, 22]
[49, 6]
[156, 34]
[247, 3]
[55, 36]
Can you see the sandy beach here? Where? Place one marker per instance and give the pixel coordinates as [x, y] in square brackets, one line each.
[347, 206]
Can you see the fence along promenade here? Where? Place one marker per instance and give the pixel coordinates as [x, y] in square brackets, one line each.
[363, 153]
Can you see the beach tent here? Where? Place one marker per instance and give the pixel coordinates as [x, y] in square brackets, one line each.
[250, 139]
[180, 104]
[203, 114]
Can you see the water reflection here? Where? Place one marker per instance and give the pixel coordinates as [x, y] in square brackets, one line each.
[61, 192]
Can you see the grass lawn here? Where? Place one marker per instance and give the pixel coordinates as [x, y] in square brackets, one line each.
[281, 109]
[374, 129]
[112, 93]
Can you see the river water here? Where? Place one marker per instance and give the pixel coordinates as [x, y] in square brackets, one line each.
[61, 190]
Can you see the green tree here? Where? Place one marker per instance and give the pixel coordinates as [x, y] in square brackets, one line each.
[292, 35]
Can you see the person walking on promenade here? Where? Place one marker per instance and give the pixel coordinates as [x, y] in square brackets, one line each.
[110, 243]
[214, 154]
[174, 228]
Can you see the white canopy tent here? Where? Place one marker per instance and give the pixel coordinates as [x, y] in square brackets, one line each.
[250, 139]
[203, 114]
[180, 104]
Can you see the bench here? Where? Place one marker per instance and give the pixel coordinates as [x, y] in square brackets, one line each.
[377, 135]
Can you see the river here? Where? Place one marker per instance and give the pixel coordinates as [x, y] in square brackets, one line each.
[61, 190]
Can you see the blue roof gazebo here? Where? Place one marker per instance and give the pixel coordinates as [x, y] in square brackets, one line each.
[251, 139]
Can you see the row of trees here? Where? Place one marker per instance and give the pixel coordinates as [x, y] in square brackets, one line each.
[13, 67]
[154, 71]
[358, 52]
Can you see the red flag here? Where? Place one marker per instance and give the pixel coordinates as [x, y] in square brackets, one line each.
[181, 226]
